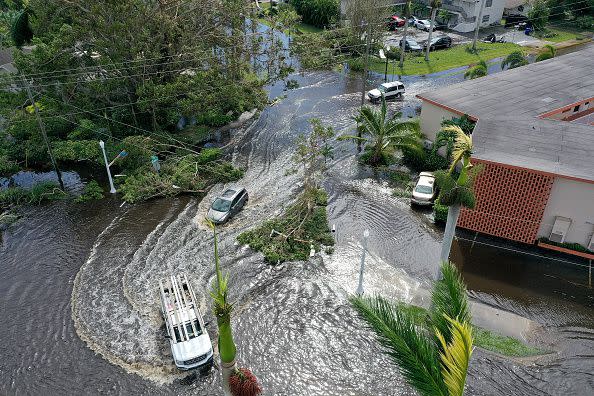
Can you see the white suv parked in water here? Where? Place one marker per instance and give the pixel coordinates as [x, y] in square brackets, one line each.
[390, 90]
[189, 340]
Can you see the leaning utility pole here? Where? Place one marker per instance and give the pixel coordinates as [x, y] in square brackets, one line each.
[43, 133]
[478, 25]
[364, 82]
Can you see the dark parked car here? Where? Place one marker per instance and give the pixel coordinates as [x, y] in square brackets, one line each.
[439, 42]
[227, 204]
[411, 45]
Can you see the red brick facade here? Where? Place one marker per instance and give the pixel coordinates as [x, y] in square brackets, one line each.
[510, 202]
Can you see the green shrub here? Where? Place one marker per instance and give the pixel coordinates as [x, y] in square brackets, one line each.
[440, 212]
[424, 161]
[320, 13]
[356, 64]
[585, 22]
[91, 192]
[45, 191]
[7, 166]
[214, 118]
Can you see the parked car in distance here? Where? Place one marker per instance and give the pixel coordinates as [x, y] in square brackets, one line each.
[390, 90]
[422, 24]
[395, 22]
[424, 192]
[513, 20]
[190, 344]
[439, 42]
[412, 20]
[410, 45]
[225, 206]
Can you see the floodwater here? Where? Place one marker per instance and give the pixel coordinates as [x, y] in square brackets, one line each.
[79, 282]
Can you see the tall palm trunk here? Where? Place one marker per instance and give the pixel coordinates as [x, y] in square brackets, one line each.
[433, 12]
[227, 349]
[403, 43]
[448, 237]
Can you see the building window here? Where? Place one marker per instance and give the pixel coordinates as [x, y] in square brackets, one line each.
[488, 3]
[486, 18]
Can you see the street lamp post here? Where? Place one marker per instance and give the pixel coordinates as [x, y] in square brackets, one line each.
[360, 288]
[102, 145]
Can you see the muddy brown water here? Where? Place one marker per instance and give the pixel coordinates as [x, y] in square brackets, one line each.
[78, 282]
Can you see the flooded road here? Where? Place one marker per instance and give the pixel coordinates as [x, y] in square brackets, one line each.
[79, 282]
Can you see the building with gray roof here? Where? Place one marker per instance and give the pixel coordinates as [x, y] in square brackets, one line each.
[534, 135]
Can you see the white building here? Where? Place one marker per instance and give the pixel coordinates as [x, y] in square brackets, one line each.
[466, 12]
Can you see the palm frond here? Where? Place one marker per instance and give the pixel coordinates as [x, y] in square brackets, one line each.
[455, 355]
[409, 346]
[462, 145]
[449, 298]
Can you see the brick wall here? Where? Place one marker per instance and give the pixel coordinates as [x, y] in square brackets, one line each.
[510, 202]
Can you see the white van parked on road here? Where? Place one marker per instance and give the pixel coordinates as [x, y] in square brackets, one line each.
[190, 343]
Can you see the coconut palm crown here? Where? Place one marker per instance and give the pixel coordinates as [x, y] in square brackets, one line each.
[383, 134]
[433, 351]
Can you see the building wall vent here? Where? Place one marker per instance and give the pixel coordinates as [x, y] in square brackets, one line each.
[560, 229]
[591, 244]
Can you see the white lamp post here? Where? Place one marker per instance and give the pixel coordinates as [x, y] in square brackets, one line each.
[360, 288]
[102, 145]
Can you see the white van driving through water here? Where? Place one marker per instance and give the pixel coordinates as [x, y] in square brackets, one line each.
[189, 340]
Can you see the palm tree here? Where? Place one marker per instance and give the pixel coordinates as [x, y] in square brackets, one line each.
[227, 349]
[479, 70]
[548, 53]
[455, 193]
[385, 133]
[407, 7]
[432, 351]
[435, 4]
[513, 60]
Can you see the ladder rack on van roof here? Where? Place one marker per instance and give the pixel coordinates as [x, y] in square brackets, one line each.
[179, 305]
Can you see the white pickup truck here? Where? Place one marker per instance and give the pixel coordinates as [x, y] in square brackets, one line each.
[186, 331]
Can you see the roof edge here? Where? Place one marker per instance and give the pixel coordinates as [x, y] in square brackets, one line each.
[448, 108]
[574, 178]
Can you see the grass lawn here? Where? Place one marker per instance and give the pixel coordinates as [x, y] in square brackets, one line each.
[561, 35]
[485, 339]
[441, 60]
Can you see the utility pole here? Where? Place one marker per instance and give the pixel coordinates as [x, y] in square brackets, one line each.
[362, 269]
[43, 133]
[364, 82]
[478, 25]
[403, 39]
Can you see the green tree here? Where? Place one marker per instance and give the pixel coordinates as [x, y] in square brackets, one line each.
[513, 60]
[455, 192]
[548, 52]
[479, 70]
[435, 5]
[382, 134]
[432, 353]
[538, 15]
[320, 13]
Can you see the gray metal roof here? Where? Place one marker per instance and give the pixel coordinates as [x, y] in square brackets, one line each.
[508, 104]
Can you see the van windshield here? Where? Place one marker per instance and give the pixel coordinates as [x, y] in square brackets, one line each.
[221, 205]
[189, 331]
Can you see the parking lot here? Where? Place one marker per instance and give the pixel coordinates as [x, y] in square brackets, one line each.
[510, 35]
